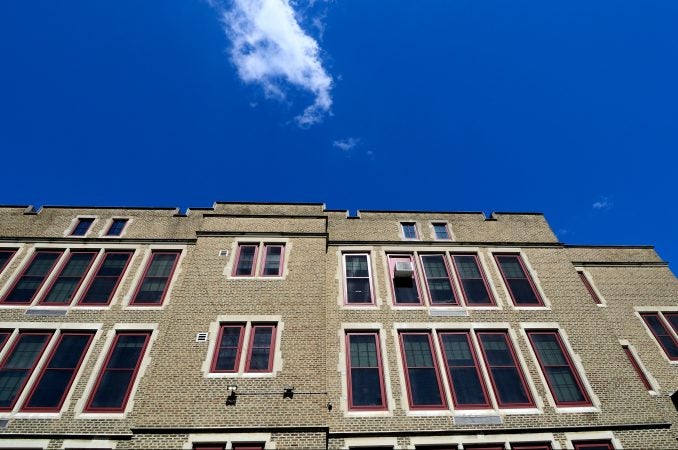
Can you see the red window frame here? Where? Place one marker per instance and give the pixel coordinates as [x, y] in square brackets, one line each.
[587, 445]
[436, 370]
[30, 370]
[80, 221]
[672, 319]
[636, 366]
[455, 300]
[16, 281]
[369, 278]
[391, 269]
[528, 277]
[657, 337]
[110, 227]
[209, 446]
[349, 369]
[483, 276]
[532, 446]
[435, 232]
[248, 446]
[217, 349]
[589, 287]
[154, 254]
[516, 364]
[11, 252]
[568, 359]
[46, 367]
[104, 368]
[129, 254]
[4, 337]
[476, 361]
[254, 260]
[271, 348]
[414, 226]
[62, 267]
[263, 262]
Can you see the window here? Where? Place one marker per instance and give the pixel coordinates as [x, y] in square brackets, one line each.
[472, 278]
[114, 384]
[106, 278]
[403, 280]
[440, 231]
[273, 260]
[248, 446]
[438, 280]
[409, 230]
[33, 277]
[365, 375]
[155, 282]
[5, 256]
[658, 326]
[461, 361]
[259, 351]
[541, 446]
[357, 278]
[421, 372]
[56, 377]
[18, 365]
[82, 227]
[268, 257]
[636, 366]
[592, 445]
[64, 286]
[116, 228]
[672, 318]
[589, 287]
[209, 446]
[556, 365]
[508, 381]
[520, 285]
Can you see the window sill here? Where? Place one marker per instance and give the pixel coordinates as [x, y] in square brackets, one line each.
[576, 409]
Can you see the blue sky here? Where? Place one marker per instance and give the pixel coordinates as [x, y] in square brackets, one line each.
[569, 108]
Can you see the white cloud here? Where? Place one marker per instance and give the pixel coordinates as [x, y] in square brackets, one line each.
[270, 48]
[346, 144]
[603, 203]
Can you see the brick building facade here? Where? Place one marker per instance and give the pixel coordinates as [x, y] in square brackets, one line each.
[281, 326]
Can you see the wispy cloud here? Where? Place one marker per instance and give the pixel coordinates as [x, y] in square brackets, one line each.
[603, 204]
[346, 144]
[270, 48]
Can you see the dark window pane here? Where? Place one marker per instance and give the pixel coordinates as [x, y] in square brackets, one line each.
[116, 227]
[229, 346]
[107, 277]
[440, 230]
[517, 280]
[151, 290]
[564, 385]
[5, 256]
[51, 388]
[154, 285]
[32, 279]
[260, 351]
[112, 389]
[82, 227]
[69, 278]
[424, 386]
[18, 366]
[358, 290]
[472, 280]
[468, 388]
[356, 266]
[508, 382]
[405, 290]
[476, 292]
[365, 371]
[226, 359]
[273, 258]
[522, 292]
[422, 374]
[259, 359]
[509, 385]
[438, 279]
[162, 265]
[366, 387]
[662, 334]
[672, 318]
[409, 230]
[246, 256]
[363, 350]
[127, 351]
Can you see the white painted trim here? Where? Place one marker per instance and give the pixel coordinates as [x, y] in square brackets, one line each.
[109, 222]
[356, 443]
[505, 439]
[74, 223]
[591, 436]
[89, 443]
[261, 246]
[24, 443]
[589, 278]
[450, 235]
[229, 439]
[402, 230]
[656, 390]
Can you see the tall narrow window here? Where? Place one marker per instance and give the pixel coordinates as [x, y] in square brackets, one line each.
[440, 231]
[107, 278]
[70, 278]
[520, 285]
[468, 388]
[357, 276]
[82, 227]
[421, 372]
[246, 260]
[155, 282]
[33, 277]
[5, 256]
[19, 364]
[473, 282]
[672, 318]
[508, 380]
[404, 280]
[228, 350]
[636, 366]
[662, 334]
[114, 385]
[55, 380]
[365, 376]
[556, 364]
[116, 227]
[438, 280]
[260, 356]
[589, 287]
[593, 445]
[409, 230]
[273, 260]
